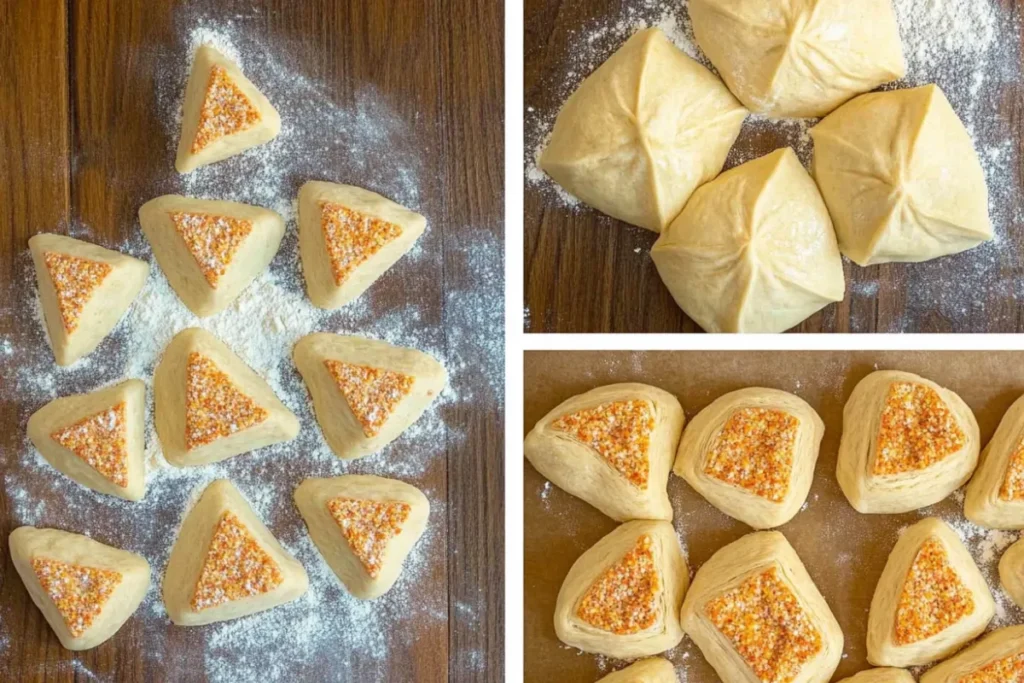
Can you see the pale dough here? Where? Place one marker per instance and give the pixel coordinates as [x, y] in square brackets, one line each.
[189, 557]
[1011, 572]
[233, 93]
[984, 503]
[92, 290]
[86, 557]
[642, 132]
[110, 414]
[905, 490]
[901, 178]
[799, 59]
[984, 658]
[652, 670]
[882, 645]
[373, 424]
[754, 249]
[231, 244]
[170, 397]
[312, 498]
[582, 470]
[392, 228]
[760, 509]
[884, 675]
[669, 564]
[731, 569]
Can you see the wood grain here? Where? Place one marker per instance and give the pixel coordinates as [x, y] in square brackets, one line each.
[586, 272]
[82, 145]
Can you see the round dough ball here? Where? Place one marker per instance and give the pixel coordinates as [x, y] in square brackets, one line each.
[802, 58]
[754, 250]
[643, 132]
[901, 178]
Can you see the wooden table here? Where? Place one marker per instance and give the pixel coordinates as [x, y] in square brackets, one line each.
[586, 272]
[82, 146]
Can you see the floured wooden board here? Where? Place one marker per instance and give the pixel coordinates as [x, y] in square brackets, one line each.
[843, 550]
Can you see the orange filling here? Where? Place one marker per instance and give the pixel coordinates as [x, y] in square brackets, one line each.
[214, 408]
[74, 281]
[917, 430]
[933, 598]
[764, 621]
[620, 432]
[1013, 482]
[212, 240]
[78, 592]
[100, 440]
[236, 567]
[1008, 670]
[371, 393]
[353, 237]
[368, 526]
[624, 599]
[754, 451]
[225, 110]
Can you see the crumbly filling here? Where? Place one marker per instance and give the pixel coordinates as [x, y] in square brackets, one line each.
[101, 441]
[933, 597]
[225, 110]
[214, 408]
[624, 599]
[353, 237]
[917, 430]
[78, 592]
[212, 240]
[1007, 670]
[371, 393]
[235, 567]
[369, 526]
[754, 451]
[1013, 482]
[75, 280]
[620, 432]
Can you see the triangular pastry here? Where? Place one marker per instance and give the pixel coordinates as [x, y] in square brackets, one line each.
[348, 237]
[226, 564]
[755, 613]
[97, 439]
[995, 496]
[613, 447]
[365, 392]
[210, 250]
[364, 527]
[622, 597]
[651, 670]
[84, 290]
[751, 454]
[86, 590]
[883, 675]
[996, 658]
[210, 405]
[223, 113]
[930, 600]
[1011, 572]
[907, 443]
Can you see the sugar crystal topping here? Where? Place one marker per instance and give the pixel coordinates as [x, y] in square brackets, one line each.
[214, 407]
[620, 432]
[235, 567]
[101, 441]
[212, 240]
[933, 597]
[75, 280]
[371, 393]
[767, 625]
[754, 451]
[353, 237]
[1007, 670]
[369, 526]
[225, 110]
[78, 592]
[916, 430]
[1013, 482]
[624, 599]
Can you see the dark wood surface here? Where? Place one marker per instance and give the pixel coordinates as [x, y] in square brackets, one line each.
[82, 144]
[586, 272]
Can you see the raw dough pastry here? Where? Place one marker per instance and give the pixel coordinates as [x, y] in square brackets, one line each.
[364, 527]
[613, 447]
[643, 132]
[226, 564]
[210, 250]
[84, 290]
[653, 670]
[759, 582]
[86, 590]
[803, 58]
[907, 443]
[97, 439]
[930, 600]
[887, 675]
[224, 114]
[365, 392]
[348, 237]
[754, 249]
[751, 454]
[901, 179]
[996, 658]
[621, 598]
[995, 496]
[1011, 572]
[210, 405]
